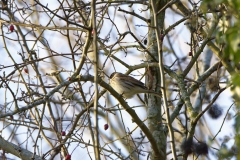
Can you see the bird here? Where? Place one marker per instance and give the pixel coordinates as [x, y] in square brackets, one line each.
[128, 86]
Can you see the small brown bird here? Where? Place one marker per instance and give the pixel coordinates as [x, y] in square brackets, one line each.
[128, 86]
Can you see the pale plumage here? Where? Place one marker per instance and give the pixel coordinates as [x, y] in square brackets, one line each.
[128, 86]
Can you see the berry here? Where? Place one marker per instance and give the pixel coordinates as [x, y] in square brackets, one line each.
[201, 148]
[92, 32]
[25, 70]
[63, 133]
[11, 28]
[105, 126]
[68, 157]
[215, 111]
[145, 41]
[190, 53]
[187, 146]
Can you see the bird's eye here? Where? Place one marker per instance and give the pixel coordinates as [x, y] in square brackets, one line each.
[112, 75]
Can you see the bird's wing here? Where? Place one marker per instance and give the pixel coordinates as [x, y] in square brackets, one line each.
[132, 81]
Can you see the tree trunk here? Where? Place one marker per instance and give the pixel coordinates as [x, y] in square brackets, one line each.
[153, 82]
